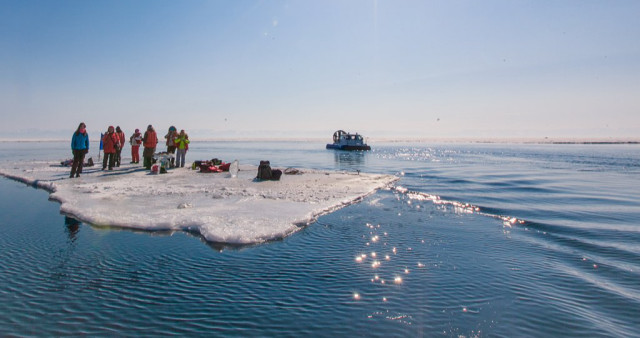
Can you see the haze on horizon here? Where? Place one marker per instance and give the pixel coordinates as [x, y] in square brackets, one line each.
[458, 69]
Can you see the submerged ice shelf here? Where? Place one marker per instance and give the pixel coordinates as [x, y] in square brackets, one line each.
[220, 208]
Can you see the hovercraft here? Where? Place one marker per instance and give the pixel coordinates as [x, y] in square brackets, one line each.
[347, 141]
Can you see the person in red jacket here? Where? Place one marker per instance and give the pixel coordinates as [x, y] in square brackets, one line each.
[121, 138]
[149, 141]
[109, 143]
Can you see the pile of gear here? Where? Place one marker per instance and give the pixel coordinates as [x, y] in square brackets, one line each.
[161, 162]
[211, 166]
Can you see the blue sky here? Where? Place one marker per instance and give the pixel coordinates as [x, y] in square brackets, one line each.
[263, 68]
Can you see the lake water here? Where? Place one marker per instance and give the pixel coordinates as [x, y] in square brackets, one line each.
[569, 265]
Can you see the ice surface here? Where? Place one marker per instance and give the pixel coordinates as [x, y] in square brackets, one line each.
[219, 207]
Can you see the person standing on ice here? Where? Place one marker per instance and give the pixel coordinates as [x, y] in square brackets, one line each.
[149, 141]
[110, 141]
[79, 148]
[182, 145]
[135, 141]
[171, 136]
[122, 139]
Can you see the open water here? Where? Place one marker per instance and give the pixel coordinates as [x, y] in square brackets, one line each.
[549, 245]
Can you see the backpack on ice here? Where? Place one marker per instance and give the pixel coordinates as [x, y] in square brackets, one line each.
[264, 170]
[266, 173]
[275, 174]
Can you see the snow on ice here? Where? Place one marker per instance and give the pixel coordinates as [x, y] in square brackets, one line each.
[220, 208]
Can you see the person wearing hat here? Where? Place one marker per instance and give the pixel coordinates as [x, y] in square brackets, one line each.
[135, 140]
[109, 142]
[149, 141]
[171, 136]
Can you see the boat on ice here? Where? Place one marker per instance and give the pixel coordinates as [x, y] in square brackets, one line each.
[347, 141]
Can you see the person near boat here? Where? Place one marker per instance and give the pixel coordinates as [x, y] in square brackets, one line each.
[79, 148]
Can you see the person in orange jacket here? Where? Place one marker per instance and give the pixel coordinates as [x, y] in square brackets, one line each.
[149, 141]
[110, 141]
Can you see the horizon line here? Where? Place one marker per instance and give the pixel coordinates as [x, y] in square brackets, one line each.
[517, 140]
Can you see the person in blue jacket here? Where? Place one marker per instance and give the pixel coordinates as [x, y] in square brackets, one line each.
[79, 147]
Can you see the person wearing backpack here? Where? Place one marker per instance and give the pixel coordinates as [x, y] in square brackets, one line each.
[135, 140]
[182, 145]
[79, 148]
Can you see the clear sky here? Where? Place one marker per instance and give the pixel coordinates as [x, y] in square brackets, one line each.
[385, 68]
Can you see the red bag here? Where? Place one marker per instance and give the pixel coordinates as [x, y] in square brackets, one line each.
[207, 168]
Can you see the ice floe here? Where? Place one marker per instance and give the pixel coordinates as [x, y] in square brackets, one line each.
[218, 207]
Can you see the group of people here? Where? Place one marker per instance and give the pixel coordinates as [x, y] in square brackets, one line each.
[177, 143]
[114, 140]
[112, 144]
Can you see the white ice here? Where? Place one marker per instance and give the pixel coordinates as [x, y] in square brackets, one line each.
[221, 208]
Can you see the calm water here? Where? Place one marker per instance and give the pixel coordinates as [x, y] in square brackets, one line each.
[571, 269]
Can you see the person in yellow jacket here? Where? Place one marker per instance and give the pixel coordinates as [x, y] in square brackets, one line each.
[182, 145]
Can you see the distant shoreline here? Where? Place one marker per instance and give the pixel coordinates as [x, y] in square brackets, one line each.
[597, 142]
[370, 140]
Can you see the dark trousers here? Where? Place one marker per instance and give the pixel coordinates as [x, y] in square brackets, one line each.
[118, 158]
[78, 159]
[147, 155]
[108, 158]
